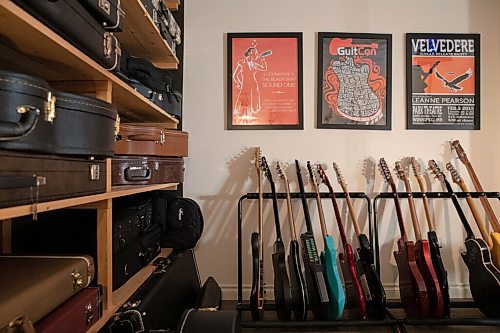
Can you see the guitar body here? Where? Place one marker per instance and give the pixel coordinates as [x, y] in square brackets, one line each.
[282, 293]
[256, 303]
[317, 291]
[297, 283]
[411, 284]
[333, 282]
[354, 295]
[424, 263]
[495, 250]
[441, 273]
[484, 277]
[374, 290]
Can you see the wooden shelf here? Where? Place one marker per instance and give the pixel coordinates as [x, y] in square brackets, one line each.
[141, 37]
[28, 46]
[172, 4]
[90, 201]
[121, 295]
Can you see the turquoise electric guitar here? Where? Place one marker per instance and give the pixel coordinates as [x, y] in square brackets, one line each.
[329, 259]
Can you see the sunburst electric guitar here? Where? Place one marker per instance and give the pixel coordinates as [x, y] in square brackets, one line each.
[297, 282]
[423, 254]
[484, 277]
[434, 245]
[355, 298]
[412, 287]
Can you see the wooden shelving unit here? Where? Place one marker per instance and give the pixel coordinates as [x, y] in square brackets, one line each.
[28, 46]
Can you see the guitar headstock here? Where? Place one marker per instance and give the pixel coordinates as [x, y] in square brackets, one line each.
[460, 151]
[436, 170]
[454, 173]
[415, 166]
[265, 168]
[322, 174]
[340, 177]
[280, 169]
[384, 170]
[258, 156]
[312, 173]
[399, 171]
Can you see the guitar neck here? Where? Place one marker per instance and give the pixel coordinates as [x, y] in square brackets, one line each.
[398, 212]
[413, 211]
[291, 220]
[350, 207]
[276, 211]
[463, 219]
[321, 214]
[428, 215]
[337, 215]
[484, 200]
[261, 214]
[303, 199]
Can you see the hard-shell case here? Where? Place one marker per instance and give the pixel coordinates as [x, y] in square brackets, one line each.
[107, 12]
[33, 286]
[137, 170]
[28, 179]
[76, 315]
[137, 139]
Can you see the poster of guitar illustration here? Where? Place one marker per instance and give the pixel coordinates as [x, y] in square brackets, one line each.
[442, 81]
[264, 81]
[354, 81]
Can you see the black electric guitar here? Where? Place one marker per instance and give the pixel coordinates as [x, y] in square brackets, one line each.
[297, 282]
[434, 244]
[317, 292]
[423, 254]
[412, 287]
[370, 281]
[282, 290]
[355, 298]
[484, 277]
[257, 291]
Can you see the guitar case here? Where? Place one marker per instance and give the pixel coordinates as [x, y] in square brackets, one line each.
[74, 23]
[154, 11]
[29, 179]
[137, 139]
[108, 12]
[33, 286]
[145, 72]
[137, 170]
[37, 119]
[76, 315]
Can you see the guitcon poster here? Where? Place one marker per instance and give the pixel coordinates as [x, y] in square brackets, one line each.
[265, 83]
[354, 81]
[442, 81]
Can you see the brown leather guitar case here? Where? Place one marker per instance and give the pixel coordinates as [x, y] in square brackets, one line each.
[32, 286]
[142, 170]
[28, 179]
[136, 139]
[76, 315]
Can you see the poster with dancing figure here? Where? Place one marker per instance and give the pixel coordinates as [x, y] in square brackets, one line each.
[354, 81]
[442, 81]
[264, 81]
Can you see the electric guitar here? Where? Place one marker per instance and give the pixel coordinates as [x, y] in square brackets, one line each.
[492, 242]
[297, 282]
[317, 292]
[329, 258]
[434, 244]
[257, 291]
[353, 291]
[370, 281]
[282, 290]
[423, 254]
[484, 277]
[412, 287]
[490, 214]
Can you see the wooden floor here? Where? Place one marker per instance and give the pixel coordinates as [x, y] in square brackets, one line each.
[396, 313]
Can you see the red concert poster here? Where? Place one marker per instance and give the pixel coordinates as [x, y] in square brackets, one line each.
[354, 81]
[442, 81]
[264, 81]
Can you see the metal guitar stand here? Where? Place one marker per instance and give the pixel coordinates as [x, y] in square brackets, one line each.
[241, 306]
[469, 303]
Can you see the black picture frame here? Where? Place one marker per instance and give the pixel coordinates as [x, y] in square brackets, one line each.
[280, 101]
[354, 81]
[443, 81]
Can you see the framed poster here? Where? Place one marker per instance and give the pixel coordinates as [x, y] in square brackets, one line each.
[354, 81]
[264, 82]
[442, 81]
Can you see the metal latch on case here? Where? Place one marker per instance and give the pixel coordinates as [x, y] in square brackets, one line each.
[107, 44]
[105, 5]
[50, 110]
[94, 172]
[77, 280]
[89, 314]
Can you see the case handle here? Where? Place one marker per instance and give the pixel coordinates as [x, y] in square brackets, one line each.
[147, 137]
[137, 173]
[27, 123]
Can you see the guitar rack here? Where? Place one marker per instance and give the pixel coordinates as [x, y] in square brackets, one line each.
[396, 324]
[468, 303]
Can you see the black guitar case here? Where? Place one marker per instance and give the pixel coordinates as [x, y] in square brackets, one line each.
[75, 24]
[145, 72]
[108, 12]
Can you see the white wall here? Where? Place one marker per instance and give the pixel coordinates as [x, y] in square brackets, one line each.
[219, 167]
